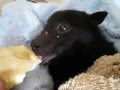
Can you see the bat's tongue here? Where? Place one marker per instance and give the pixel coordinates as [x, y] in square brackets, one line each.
[47, 58]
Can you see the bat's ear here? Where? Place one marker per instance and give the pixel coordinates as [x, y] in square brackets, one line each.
[98, 17]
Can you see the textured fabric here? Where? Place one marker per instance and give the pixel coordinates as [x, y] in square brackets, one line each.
[91, 82]
[22, 21]
[103, 75]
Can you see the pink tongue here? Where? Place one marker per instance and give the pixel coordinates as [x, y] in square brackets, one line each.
[46, 58]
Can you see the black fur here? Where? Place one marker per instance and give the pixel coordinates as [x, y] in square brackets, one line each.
[76, 41]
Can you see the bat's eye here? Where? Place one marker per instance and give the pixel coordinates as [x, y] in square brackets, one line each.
[63, 28]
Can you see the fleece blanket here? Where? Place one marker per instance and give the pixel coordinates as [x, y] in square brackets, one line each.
[22, 21]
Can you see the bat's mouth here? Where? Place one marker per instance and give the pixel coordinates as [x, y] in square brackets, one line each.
[48, 58]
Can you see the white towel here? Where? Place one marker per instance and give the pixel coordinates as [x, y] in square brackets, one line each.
[22, 21]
